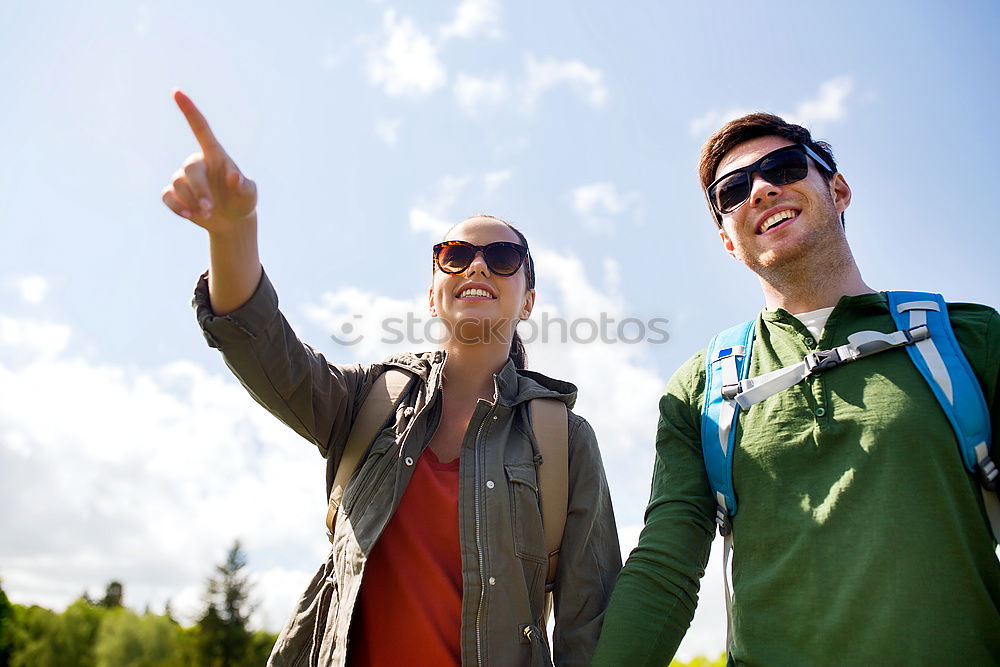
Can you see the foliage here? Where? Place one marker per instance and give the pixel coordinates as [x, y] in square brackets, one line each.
[104, 633]
[224, 640]
[148, 640]
[6, 627]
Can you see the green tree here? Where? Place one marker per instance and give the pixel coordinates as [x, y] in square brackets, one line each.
[6, 627]
[43, 638]
[223, 637]
[148, 640]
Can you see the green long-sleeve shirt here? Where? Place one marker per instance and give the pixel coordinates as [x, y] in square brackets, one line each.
[859, 539]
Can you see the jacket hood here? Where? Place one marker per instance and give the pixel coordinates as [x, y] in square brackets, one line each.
[515, 385]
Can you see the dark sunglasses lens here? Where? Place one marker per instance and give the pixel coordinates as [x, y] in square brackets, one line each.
[731, 192]
[785, 167]
[455, 258]
[503, 259]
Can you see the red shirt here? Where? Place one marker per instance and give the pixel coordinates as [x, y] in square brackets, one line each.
[410, 606]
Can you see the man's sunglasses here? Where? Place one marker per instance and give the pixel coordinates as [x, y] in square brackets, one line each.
[502, 257]
[781, 167]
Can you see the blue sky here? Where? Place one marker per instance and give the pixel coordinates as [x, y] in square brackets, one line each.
[126, 449]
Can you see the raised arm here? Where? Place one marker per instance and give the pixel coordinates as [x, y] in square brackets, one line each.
[237, 307]
[212, 192]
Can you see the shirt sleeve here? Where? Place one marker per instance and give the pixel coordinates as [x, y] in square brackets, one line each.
[657, 591]
[289, 378]
[589, 557]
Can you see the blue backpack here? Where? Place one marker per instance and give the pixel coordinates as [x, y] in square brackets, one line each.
[924, 330]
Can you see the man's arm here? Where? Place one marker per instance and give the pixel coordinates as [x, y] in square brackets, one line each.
[657, 590]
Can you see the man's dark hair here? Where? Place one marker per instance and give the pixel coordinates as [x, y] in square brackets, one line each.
[749, 127]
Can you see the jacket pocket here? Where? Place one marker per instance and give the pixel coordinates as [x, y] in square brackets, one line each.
[525, 514]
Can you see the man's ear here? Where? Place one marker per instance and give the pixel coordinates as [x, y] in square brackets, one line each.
[841, 192]
[727, 243]
[528, 305]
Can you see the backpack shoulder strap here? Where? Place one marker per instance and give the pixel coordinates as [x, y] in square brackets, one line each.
[727, 361]
[380, 403]
[940, 359]
[549, 422]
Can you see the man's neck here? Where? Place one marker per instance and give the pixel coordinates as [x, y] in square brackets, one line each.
[819, 286]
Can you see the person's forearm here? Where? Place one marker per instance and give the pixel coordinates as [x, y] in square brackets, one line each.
[234, 270]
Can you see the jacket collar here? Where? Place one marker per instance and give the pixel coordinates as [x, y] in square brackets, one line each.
[513, 385]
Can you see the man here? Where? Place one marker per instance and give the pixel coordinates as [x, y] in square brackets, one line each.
[859, 537]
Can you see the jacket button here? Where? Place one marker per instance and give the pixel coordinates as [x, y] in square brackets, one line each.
[809, 341]
[408, 412]
[490, 484]
[820, 412]
[408, 460]
[493, 581]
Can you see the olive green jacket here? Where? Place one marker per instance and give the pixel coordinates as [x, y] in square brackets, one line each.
[504, 560]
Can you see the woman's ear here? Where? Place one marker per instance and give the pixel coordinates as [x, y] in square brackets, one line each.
[528, 305]
[430, 301]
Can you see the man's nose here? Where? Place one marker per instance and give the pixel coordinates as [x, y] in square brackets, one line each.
[760, 188]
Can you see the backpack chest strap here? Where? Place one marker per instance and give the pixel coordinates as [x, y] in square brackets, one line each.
[751, 391]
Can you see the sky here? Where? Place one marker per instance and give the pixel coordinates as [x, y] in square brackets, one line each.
[128, 451]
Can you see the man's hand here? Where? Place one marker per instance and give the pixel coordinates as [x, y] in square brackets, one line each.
[209, 189]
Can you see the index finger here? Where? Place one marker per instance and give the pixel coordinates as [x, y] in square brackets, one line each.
[202, 132]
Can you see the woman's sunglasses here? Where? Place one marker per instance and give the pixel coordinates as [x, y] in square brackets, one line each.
[781, 167]
[502, 257]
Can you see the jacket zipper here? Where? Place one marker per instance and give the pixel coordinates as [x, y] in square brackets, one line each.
[479, 541]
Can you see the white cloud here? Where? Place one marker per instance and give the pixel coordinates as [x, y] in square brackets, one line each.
[406, 61]
[422, 221]
[599, 204]
[32, 288]
[495, 179]
[474, 18]
[146, 476]
[541, 75]
[474, 93]
[35, 337]
[143, 18]
[712, 120]
[430, 214]
[827, 106]
[388, 130]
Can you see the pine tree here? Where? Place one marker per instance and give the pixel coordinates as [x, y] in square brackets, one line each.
[224, 639]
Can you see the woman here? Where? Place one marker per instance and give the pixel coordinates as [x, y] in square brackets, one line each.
[439, 555]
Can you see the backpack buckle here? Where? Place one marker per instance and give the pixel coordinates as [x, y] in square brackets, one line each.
[822, 360]
[988, 474]
[722, 518]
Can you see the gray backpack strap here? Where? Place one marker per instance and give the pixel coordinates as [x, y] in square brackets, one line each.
[380, 403]
[549, 422]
